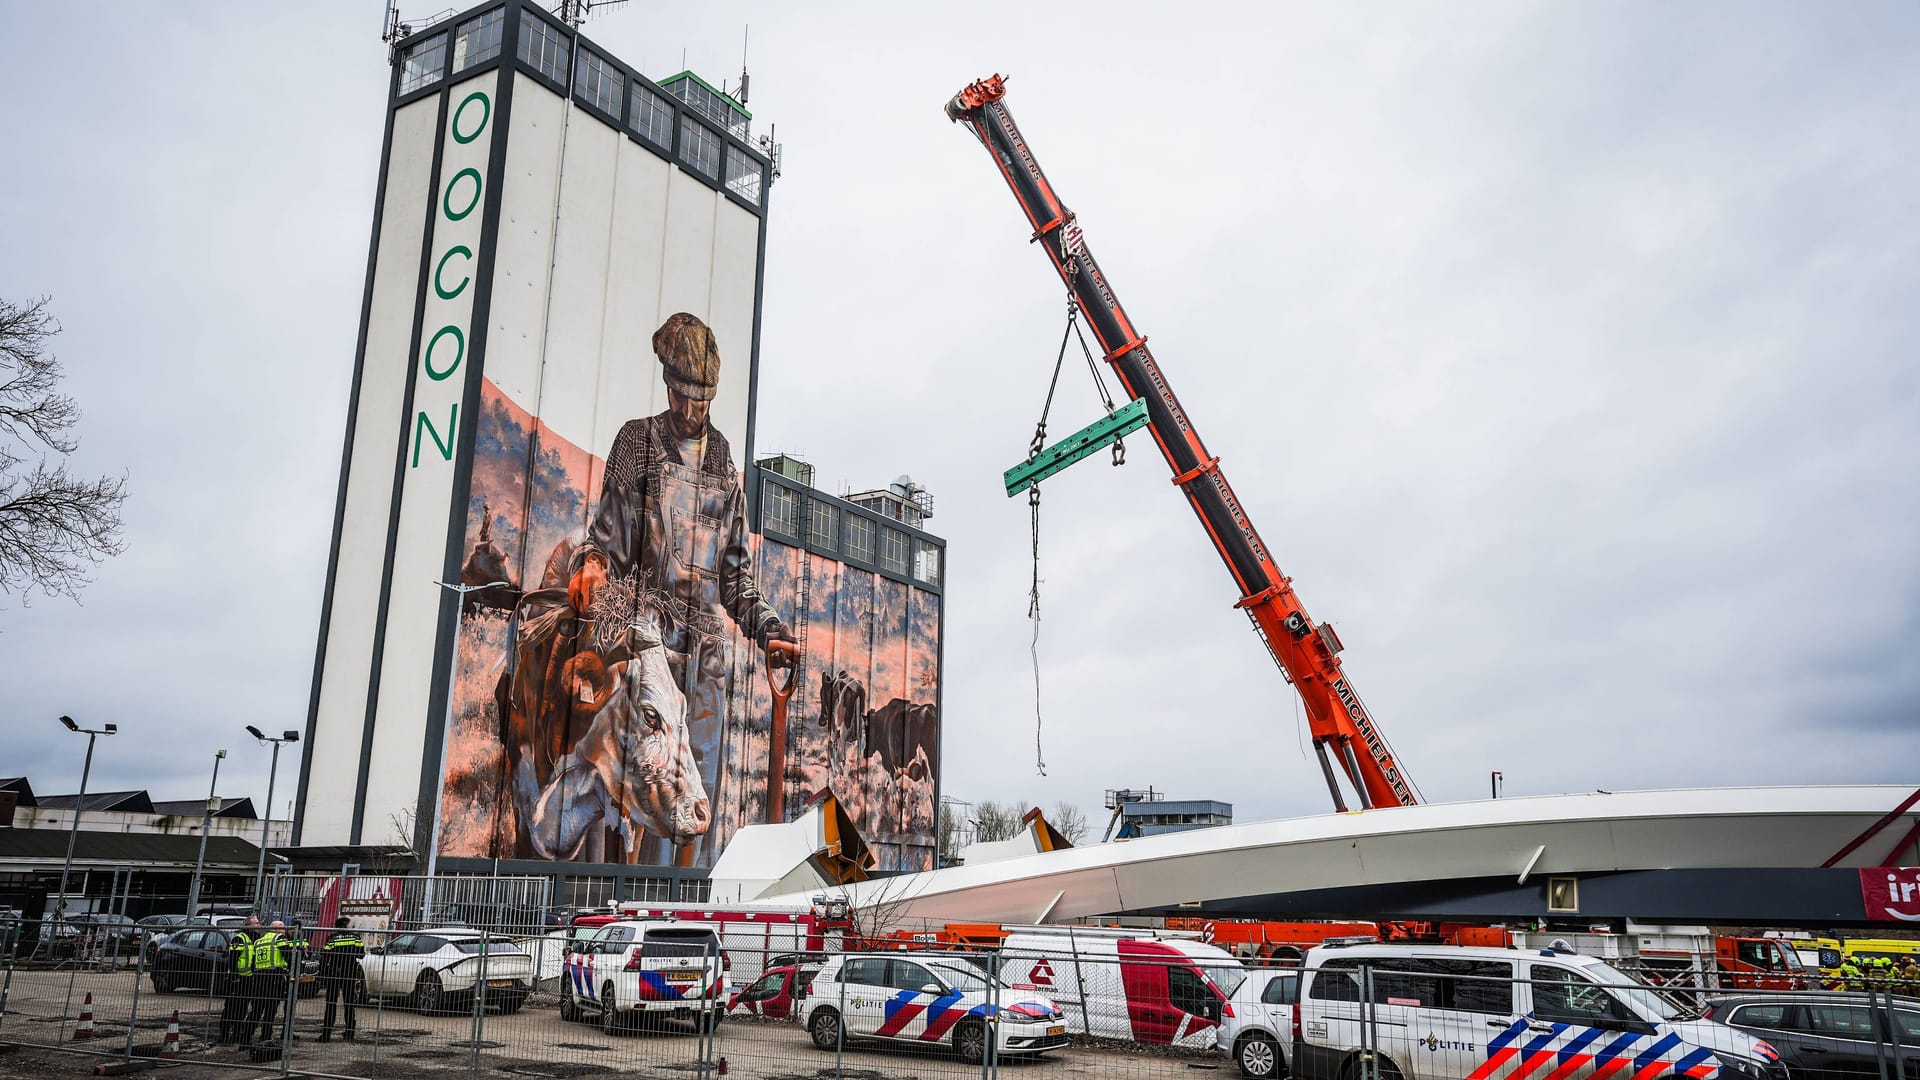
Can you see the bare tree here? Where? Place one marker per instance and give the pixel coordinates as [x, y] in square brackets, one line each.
[995, 820]
[950, 834]
[53, 524]
[1070, 821]
[409, 829]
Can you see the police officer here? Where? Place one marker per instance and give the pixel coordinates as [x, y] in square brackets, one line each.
[237, 1010]
[270, 965]
[340, 972]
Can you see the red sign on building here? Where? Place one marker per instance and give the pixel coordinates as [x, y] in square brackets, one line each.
[1891, 893]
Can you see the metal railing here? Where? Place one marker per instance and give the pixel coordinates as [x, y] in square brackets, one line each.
[707, 1000]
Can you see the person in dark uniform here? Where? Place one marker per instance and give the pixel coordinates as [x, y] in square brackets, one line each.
[270, 967]
[340, 974]
[238, 1006]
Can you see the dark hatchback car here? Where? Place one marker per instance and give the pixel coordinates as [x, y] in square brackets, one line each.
[1829, 1035]
[194, 957]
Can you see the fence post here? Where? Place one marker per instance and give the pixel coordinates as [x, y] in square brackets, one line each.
[989, 1055]
[295, 965]
[1893, 1031]
[133, 1017]
[840, 1029]
[479, 1028]
[1369, 1027]
[11, 945]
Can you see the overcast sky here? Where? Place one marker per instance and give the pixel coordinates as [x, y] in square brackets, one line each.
[1564, 354]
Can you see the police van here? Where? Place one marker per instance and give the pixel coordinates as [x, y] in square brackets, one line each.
[928, 999]
[1437, 1012]
[625, 973]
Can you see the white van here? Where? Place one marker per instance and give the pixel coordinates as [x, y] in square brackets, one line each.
[1126, 983]
[1438, 1012]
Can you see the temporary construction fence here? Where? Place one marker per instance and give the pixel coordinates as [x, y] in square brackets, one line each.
[674, 998]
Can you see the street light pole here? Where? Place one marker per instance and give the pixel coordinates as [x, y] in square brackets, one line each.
[446, 737]
[206, 826]
[73, 834]
[266, 817]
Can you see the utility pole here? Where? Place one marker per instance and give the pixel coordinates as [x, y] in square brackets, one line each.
[206, 826]
[266, 816]
[80, 803]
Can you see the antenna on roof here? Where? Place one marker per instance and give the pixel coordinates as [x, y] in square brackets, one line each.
[744, 31]
[575, 12]
[391, 28]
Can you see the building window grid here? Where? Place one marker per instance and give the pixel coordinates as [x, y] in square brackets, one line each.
[823, 524]
[710, 105]
[650, 115]
[926, 562]
[893, 550]
[597, 82]
[542, 47]
[478, 40]
[700, 149]
[743, 175]
[780, 508]
[421, 65]
[696, 890]
[651, 889]
[859, 537]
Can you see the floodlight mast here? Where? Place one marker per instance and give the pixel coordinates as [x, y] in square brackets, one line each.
[1307, 652]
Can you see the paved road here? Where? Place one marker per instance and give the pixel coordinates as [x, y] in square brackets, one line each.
[535, 1042]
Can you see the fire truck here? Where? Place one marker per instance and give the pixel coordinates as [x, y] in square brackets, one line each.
[752, 939]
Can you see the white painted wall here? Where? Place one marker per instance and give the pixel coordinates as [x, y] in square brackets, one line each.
[419, 555]
[334, 750]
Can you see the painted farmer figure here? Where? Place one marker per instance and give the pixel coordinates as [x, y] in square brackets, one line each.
[672, 515]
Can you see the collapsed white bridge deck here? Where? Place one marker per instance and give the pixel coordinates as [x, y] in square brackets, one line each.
[1523, 839]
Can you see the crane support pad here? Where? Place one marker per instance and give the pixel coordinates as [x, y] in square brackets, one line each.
[1123, 421]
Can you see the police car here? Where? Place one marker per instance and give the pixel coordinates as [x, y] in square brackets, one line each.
[926, 1000]
[1452, 1013]
[627, 972]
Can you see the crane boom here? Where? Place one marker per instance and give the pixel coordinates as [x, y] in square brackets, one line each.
[1308, 653]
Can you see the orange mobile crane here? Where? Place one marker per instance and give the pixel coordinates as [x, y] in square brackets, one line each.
[1308, 653]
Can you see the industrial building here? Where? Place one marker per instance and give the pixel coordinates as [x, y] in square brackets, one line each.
[548, 501]
[132, 854]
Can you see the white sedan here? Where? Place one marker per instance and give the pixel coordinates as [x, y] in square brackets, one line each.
[433, 969]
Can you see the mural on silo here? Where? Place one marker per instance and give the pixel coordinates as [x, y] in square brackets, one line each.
[614, 694]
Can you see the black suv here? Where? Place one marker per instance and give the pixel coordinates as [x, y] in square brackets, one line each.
[1828, 1034]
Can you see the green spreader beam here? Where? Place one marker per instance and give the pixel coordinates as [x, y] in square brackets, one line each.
[1118, 424]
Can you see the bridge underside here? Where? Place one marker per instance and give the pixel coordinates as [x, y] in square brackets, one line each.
[1811, 899]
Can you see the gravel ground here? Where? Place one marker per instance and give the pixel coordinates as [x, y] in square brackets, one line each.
[534, 1043]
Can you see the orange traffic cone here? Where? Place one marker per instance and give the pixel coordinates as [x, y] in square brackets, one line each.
[170, 1047]
[85, 1030]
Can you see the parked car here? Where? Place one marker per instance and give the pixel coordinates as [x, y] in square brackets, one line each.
[158, 936]
[433, 969]
[1829, 1034]
[195, 956]
[628, 972]
[106, 932]
[1441, 1012]
[776, 994]
[1257, 1025]
[927, 1000]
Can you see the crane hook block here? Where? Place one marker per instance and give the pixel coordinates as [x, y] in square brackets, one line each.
[1117, 424]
